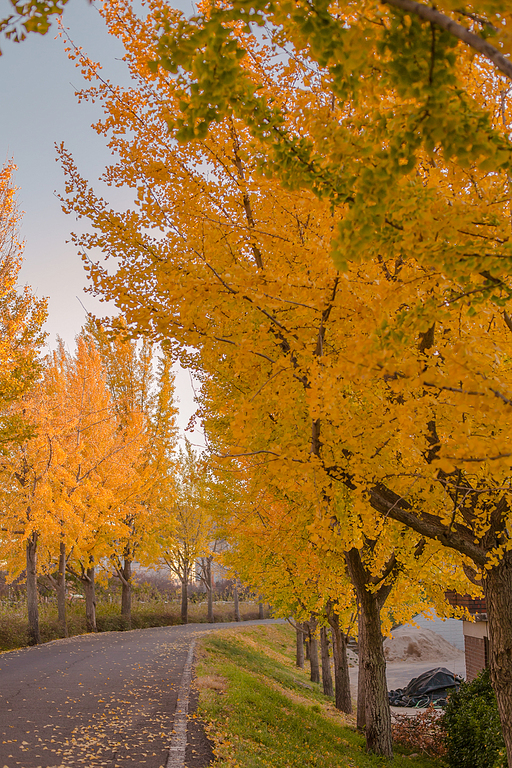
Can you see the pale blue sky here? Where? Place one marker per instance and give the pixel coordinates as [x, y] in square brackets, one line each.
[38, 108]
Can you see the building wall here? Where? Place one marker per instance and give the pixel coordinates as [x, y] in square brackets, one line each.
[476, 647]
[476, 656]
[474, 605]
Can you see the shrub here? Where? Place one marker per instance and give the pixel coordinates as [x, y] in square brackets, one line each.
[13, 632]
[423, 733]
[472, 725]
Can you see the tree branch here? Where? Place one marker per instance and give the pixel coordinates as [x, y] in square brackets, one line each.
[389, 503]
[462, 33]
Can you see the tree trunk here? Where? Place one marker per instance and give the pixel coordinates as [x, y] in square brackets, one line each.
[261, 611]
[125, 574]
[90, 599]
[184, 597]
[61, 591]
[299, 655]
[326, 663]
[211, 617]
[34, 636]
[313, 653]
[306, 640]
[361, 689]
[497, 586]
[377, 712]
[372, 662]
[236, 602]
[343, 699]
[209, 589]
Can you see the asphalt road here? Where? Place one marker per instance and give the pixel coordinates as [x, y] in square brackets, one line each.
[94, 700]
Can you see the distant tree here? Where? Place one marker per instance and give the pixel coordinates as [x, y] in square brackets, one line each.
[144, 403]
[205, 569]
[65, 487]
[185, 540]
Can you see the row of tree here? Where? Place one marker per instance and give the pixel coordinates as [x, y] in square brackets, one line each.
[357, 407]
[90, 475]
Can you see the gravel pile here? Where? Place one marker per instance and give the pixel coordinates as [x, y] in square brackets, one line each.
[411, 644]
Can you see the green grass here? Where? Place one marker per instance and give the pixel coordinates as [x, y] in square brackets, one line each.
[262, 712]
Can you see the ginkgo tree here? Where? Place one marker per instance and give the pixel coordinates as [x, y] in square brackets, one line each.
[130, 441]
[140, 396]
[310, 554]
[26, 494]
[21, 339]
[59, 484]
[21, 317]
[78, 491]
[398, 79]
[187, 534]
[103, 465]
[272, 552]
[385, 375]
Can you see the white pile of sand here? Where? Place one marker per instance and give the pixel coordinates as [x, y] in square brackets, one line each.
[413, 644]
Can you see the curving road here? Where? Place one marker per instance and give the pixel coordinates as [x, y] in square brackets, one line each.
[99, 700]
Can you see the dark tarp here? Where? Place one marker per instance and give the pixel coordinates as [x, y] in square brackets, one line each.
[431, 687]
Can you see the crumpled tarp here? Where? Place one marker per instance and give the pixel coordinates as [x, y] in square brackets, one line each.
[432, 687]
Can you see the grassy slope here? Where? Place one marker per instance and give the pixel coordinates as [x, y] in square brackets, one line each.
[262, 712]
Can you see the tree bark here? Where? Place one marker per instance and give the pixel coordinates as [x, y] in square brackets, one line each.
[90, 599]
[236, 602]
[261, 611]
[307, 648]
[342, 698]
[184, 597]
[361, 688]
[497, 586]
[125, 574]
[61, 591]
[299, 654]
[209, 589]
[372, 662]
[326, 663]
[313, 653]
[34, 636]
[378, 716]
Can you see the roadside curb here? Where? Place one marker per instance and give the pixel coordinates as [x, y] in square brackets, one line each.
[176, 758]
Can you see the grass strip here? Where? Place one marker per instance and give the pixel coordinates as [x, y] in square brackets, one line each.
[145, 613]
[262, 712]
